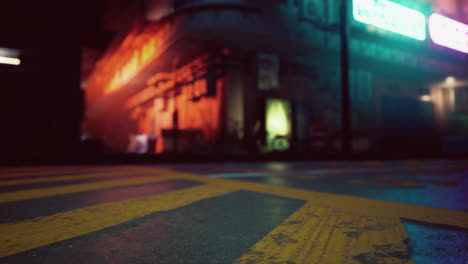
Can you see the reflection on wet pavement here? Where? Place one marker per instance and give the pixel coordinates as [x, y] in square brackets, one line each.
[436, 244]
[435, 190]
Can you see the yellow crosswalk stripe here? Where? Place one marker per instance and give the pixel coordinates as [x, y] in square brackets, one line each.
[68, 177]
[347, 223]
[316, 235]
[29, 234]
[346, 203]
[34, 169]
[66, 170]
[76, 188]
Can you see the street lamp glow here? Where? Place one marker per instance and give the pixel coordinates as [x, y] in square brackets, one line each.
[450, 81]
[9, 56]
[426, 98]
[10, 61]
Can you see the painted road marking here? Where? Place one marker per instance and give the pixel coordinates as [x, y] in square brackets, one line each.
[22, 236]
[54, 171]
[326, 235]
[75, 188]
[68, 177]
[346, 203]
[19, 237]
[35, 169]
[214, 230]
[28, 209]
[324, 172]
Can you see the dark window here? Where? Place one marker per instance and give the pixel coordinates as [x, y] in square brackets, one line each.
[182, 3]
[461, 100]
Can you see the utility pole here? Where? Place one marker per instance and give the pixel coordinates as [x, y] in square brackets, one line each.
[346, 129]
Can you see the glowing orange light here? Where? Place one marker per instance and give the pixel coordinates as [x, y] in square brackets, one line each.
[10, 61]
[202, 115]
[139, 59]
[151, 108]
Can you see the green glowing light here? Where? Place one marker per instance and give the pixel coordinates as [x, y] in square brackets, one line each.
[278, 124]
[390, 16]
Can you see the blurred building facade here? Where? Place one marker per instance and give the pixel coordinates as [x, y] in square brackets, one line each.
[258, 75]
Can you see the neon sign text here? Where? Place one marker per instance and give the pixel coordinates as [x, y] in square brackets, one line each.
[448, 33]
[391, 16]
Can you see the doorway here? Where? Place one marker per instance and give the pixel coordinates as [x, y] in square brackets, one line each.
[278, 125]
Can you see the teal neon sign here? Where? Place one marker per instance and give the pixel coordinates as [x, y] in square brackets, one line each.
[391, 16]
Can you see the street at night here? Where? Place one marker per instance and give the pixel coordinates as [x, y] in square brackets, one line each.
[234, 131]
[310, 212]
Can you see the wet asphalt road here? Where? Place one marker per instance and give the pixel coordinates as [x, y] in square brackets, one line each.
[323, 212]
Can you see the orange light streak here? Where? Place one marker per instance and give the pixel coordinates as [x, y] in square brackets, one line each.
[139, 60]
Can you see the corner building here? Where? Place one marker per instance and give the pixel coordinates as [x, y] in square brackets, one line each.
[262, 76]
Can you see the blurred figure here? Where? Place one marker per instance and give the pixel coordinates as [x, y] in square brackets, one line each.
[138, 144]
